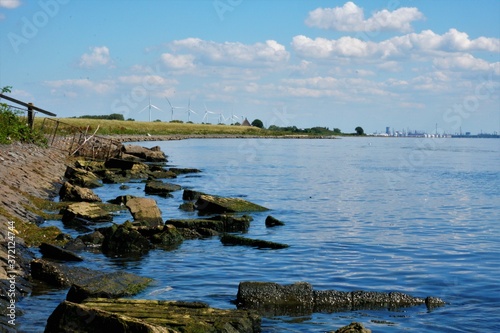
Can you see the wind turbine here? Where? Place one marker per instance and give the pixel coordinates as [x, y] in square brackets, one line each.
[221, 119]
[189, 110]
[205, 117]
[149, 107]
[172, 109]
[233, 118]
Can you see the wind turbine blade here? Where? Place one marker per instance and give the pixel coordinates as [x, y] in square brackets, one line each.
[169, 102]
[157, 108]
[145, 108]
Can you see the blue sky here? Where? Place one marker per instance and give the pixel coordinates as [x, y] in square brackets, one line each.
[339, 64]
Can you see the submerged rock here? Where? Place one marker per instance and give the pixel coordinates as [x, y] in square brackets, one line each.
[298, 299]
[160, 188]
[122, 315]
[273, 222]
[210, 204]
[182, 171]
[228, 239]
[353, 328]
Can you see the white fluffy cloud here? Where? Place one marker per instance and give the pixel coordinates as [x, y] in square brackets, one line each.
[265, 54]
[182, 61]
[350, 17]
[10, 4]
[98, 56]
[426, 42]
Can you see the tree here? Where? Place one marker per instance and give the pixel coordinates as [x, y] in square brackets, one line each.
[359, 130]
[337, 131]
[258, 123]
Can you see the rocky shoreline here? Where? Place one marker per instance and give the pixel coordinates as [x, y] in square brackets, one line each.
[28, 173]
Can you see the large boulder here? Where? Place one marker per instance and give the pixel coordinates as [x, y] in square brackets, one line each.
[160, 188]
[124, 240]
[109, 285]
[144, 211]
[87, 211]
[353, 328]
[57, 274]
[211, 204]
[82, 177]
[125, 315]
[273, 299]
[148, 154]
[70, 192]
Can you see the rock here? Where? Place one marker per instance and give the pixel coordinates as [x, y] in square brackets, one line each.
[228, 239]
[182, 171]
[190, 195]
[160, 188]
[124, 240]
[110, 177]
[353, 328]
[90, 165]
[187, 207]
[221, 223]
[58, 275]
[210, 204]
[58, 253]
[273, 222]
[150, 155]
[93, 239]
[300, 299]
[81, 177]
[271, 298]
[158, 172]
[69, 192]
[87, 211]
[75, 245]
[145, 211]
[125, 315]
[110, 285]
[169, 239]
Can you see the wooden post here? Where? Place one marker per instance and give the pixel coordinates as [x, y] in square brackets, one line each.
[31, 116]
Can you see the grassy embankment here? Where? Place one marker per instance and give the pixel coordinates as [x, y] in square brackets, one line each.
[119, 127]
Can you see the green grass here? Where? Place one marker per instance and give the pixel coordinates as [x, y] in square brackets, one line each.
[119, 127]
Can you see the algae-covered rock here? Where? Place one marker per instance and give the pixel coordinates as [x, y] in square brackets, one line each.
[183, 171]
[221, 223]
[160, 188]
[121, 315]
[124, 240]
[167, 239]
[110, 285]
[82, 177]
[210, 204]
[353, 328]
[228, 239]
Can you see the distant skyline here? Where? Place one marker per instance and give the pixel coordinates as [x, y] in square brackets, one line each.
[338, 64]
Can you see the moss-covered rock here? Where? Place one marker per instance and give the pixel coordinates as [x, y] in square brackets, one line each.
[228, 239]
[210, 204]
[120, 315]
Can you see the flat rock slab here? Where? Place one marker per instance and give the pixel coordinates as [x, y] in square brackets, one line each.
[120, 315]
[211, 204]
[221, 223]
[299, 298]
[109, 285]
[160, 188]
[87, 211]
[70, 192]
[56, 252]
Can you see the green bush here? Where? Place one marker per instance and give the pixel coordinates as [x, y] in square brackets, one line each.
[14, 128]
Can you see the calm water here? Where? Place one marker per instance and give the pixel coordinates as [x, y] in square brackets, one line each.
[419, 216]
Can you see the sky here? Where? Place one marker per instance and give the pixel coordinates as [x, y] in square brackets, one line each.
[408, 65]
